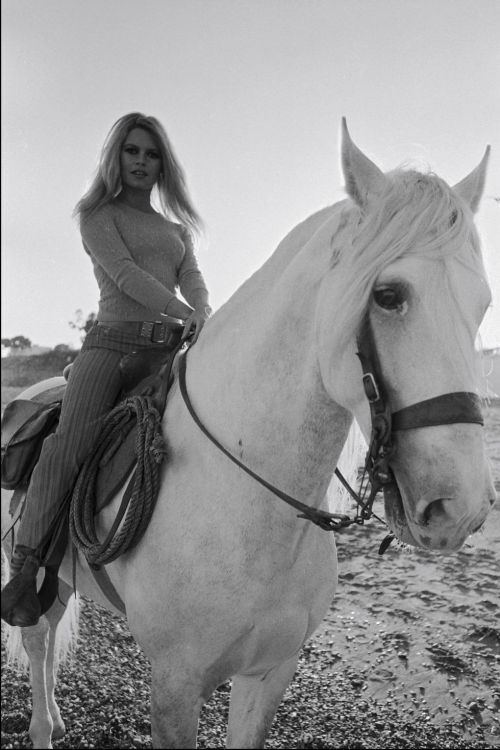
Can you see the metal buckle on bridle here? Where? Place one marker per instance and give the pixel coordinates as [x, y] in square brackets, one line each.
[380, 448]
[371, 388]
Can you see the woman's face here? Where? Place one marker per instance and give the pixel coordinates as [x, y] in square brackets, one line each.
[140, 160]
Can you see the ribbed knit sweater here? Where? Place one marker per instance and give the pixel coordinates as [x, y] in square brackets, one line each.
[139, 260]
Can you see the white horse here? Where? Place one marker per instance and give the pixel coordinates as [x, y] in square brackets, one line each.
[228, 582]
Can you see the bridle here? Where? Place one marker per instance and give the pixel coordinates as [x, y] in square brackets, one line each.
[448, 408]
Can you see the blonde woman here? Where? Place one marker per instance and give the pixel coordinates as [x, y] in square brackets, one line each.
[140, 257]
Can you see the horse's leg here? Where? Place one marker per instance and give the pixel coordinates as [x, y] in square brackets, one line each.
[39, 642]
[176, 702]
[35, 642]
[254, 702]
[54, 616]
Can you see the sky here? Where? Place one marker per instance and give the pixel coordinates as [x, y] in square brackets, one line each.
[251, 93]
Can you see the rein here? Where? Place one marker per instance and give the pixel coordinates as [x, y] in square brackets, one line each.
[448, 408]
[327, 521]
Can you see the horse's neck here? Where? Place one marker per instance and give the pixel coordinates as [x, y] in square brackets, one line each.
[263, 282]
[275, 291]
[255, 378]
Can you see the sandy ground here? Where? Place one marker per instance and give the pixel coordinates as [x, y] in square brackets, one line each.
[408, 656]
[423, 630]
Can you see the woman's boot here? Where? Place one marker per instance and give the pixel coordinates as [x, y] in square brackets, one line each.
[20, 604]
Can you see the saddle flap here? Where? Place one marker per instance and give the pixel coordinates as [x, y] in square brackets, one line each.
[139, 368]
[117, 468]
[25, 425]
[23, 420]
[146, 373]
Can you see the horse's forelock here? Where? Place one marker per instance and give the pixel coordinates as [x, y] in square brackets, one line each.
[418, 215]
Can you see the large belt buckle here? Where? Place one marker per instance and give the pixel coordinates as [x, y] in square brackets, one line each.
[147, 329]
[159, 334]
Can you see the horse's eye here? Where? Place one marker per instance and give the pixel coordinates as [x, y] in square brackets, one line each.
[388, 298]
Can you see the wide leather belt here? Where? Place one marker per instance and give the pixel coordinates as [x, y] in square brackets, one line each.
[155, 331]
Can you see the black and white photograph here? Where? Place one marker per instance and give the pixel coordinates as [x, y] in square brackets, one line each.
[250, 290]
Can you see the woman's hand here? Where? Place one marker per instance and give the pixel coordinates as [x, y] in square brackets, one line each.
[195, 322]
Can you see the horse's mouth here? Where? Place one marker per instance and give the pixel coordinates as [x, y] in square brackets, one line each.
[395, 514]
[437, 536]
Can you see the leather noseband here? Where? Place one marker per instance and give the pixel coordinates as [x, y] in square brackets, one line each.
[449, 408]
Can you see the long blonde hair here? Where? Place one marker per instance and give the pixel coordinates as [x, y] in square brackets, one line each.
[171, 187]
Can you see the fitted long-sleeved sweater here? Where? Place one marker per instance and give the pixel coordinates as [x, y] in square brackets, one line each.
[139, 260]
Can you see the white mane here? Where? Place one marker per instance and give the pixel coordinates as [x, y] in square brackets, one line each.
[418, 215]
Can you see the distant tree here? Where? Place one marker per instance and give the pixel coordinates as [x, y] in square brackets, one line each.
[17, 342]
[81, 324]
[62, 348]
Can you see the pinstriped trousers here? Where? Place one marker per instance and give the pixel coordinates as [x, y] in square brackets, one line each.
[93, 387]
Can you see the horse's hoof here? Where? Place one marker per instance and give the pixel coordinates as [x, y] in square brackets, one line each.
[58, 731]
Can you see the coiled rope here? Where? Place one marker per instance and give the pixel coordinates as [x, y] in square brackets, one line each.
[140, 497]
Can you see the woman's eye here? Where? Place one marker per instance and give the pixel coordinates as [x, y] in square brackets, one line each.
[388, 298]
[153, 155]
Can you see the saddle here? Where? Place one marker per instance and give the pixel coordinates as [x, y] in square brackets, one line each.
[26, 424]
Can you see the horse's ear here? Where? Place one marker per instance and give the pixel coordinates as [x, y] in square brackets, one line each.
[363, 179]
[470, 189]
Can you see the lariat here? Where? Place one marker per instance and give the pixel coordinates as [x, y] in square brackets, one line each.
[139, 500]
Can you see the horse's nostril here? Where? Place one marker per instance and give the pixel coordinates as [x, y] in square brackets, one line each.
[425, 517]
[428, 510]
